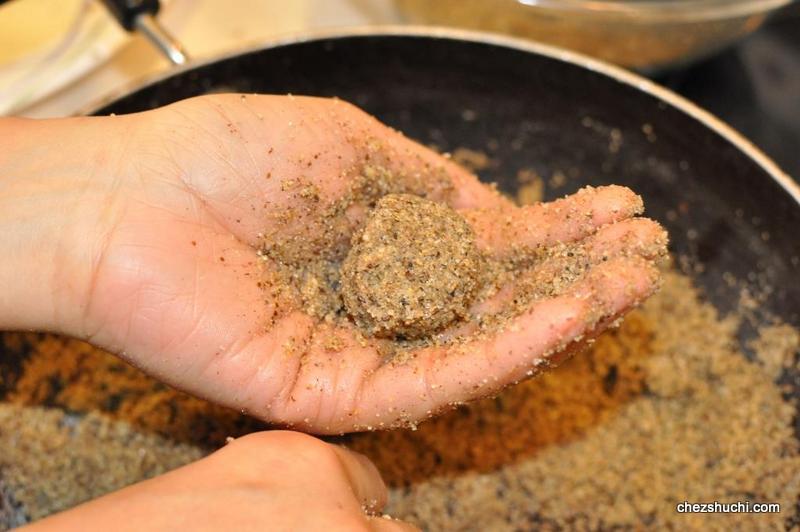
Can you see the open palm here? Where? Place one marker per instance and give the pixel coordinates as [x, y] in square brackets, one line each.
[178, 288]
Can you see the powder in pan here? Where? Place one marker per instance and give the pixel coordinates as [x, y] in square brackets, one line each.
[11, 512]
[662, 410]
[52, 461]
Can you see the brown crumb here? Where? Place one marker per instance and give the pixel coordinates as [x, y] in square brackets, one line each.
[472, 160]
[530, 189]
[334, 343]
[557, 180]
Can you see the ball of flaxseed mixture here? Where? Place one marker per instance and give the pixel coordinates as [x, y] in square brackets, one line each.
[412, 270]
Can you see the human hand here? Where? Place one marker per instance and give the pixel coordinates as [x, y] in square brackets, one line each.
[159, 263]
[278, 480]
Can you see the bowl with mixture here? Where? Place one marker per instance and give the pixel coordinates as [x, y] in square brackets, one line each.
[641, 34]
[693, 398]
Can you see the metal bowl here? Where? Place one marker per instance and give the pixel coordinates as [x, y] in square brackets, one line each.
[646, 35]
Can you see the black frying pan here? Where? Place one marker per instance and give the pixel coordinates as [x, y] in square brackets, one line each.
[729, 210]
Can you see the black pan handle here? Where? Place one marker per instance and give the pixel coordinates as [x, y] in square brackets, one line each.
[139, 16]
[127, 11]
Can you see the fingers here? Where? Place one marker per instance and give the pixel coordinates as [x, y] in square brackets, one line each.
[442, 376]
[299, 456]
[633, 237]
[364, 478]
[565, 265]
[500, 231]
[639, 236]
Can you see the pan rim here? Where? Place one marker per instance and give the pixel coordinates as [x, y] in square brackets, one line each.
[633, 80]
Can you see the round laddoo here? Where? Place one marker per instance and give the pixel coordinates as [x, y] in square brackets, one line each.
[412, 270]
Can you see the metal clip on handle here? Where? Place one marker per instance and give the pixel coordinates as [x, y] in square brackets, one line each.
[139, 15]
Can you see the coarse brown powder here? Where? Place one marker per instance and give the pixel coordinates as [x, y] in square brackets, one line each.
[52, 460]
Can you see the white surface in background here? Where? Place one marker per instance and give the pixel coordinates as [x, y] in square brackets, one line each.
[48, 44]
[208, 28]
